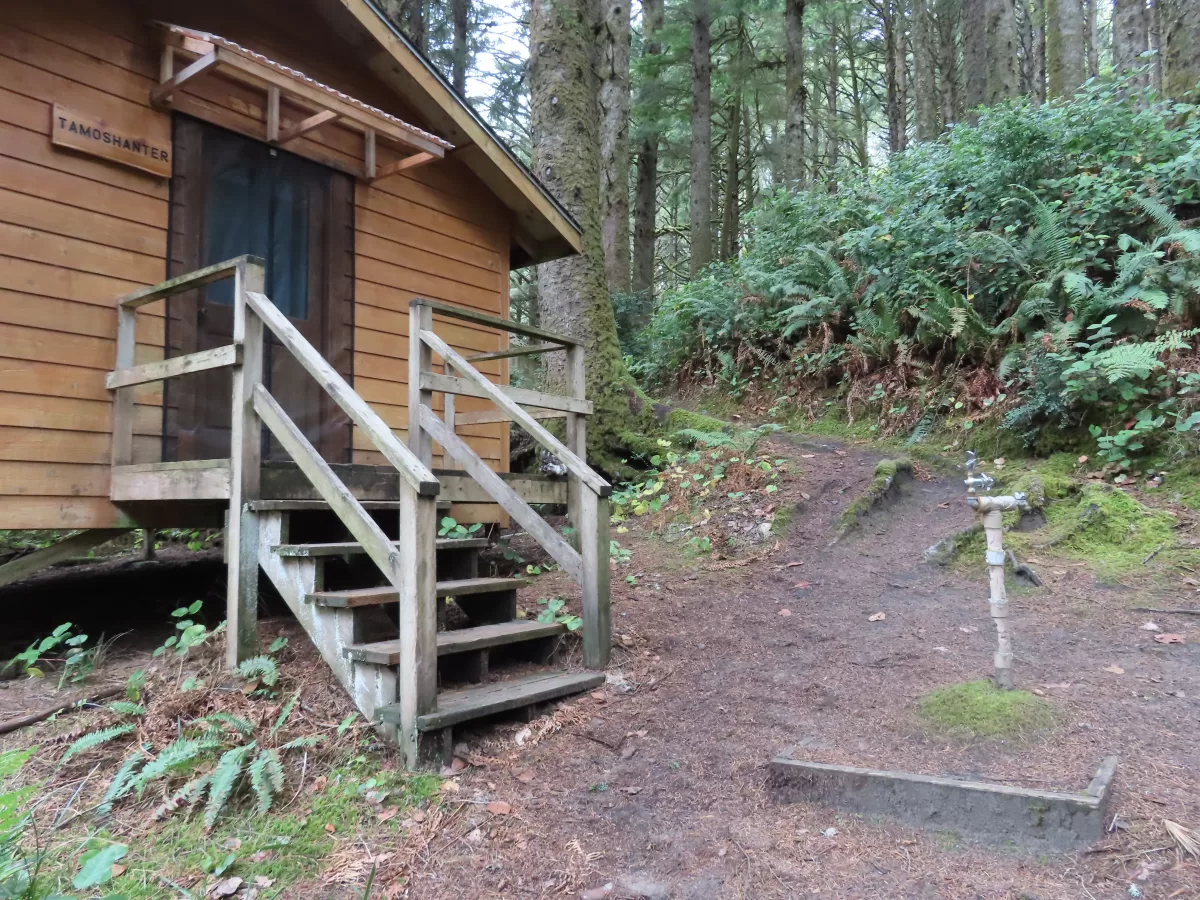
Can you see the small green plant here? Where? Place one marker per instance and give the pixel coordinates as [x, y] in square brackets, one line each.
[980, 709]
[191, 633]
[77, 662]
[451, 529]
[553, 610]
[700, 544]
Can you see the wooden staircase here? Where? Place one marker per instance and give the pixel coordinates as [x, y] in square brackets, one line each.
[409, 627]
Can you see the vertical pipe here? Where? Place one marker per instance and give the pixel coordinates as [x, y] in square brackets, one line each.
[993, 528]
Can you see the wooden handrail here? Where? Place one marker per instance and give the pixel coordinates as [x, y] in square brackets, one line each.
[453, 385]
[414, 471]
[576, 466]
[186, 282]
[217, 358]
[511, 351]
[470, 315]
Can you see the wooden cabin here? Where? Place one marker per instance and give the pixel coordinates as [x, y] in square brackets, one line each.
[239, 244]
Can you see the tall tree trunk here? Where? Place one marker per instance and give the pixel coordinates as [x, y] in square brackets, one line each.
[1155, 34]
[925, 67]
[564, 102]
[1002, 57]
[1130, 37]
[833, 127]
[409, 17]
[1037, 18]
[729, 213]
[975, 61]
[614, 143]
[949, 26]
[858, 107]
[797, 93]
[896, 52]
[1065, 62]
[460, 12]
[700, 197]
[1091, 37]
[1181, 42]
[646, 191]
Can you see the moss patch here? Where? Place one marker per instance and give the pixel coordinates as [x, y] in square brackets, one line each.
[781, 521]
[979, 709]
[889, 473]
[679, 419]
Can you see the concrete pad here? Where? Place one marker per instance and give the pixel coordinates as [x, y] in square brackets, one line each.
[992, 813]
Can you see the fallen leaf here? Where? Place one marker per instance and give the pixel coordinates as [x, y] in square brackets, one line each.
[525, 777]
[1082, 460]
[877, 617]
[318, 785]
[598, 695]
[792, 564]
[329, 827]
[968, 629]
[785, 612]
[522, 736]
[808, 455]
[450, 787]
[631, 790]
[804, 496]
[227, 887]
[118, 870]
[1169, 639]
[1151, 626]
[1116, 670]
[943, 506]
[1039, 692]
[385, 815]
[419, 816]
[232, 844]
[263, 881]
[499, 808]
[803, 585]
[598, 893]
[628, 752]
[261, 855]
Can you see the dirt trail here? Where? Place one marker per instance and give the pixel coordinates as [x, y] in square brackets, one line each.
[660, 791]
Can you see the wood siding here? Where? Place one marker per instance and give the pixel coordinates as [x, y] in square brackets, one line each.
[76, 232]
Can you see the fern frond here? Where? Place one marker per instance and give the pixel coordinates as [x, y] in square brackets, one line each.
[95, 739]
[175, 757]
[223, 780]
[303, 742]
[266, 779]
[189, 794]
[126, 708]
[285, 713]
[238, 724]
[707, 438]
[261, 667]
[122, 781]
[1159, 214]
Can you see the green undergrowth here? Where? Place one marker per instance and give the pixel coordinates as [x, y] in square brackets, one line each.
[1183, 484]
[287, 847]
[889, 474]
[981, 710]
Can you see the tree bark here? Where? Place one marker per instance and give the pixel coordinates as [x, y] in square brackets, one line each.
[925, 69]
[833, 127]
[460, 12]
[895, 47]
[1181, 46]
[729, 213]
[1002, 75]
[1130, 37]
[565, 114]
[949, 26]
[646, 190]
[1037, 19]
[797, 93]
[700, 195]
[1091, 36]
[975, 61]
[614, 143]
[1155, 35]
[409, 17]
[1065, 63]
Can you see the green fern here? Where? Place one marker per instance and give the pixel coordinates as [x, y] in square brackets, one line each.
[261, 667]
[123, 780]
[266, 779]
[189, 794]
[238, 724]
[127, 708]
[95, 739]
[303, 743]
[285, 713]
[176, 757]
[223, 780]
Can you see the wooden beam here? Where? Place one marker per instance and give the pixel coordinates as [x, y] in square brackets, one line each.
[160, 94]
[596, 582]
[510, 501]
[479, 318]
[409, 162]
[369, 154]
[272, 114]
[450, 384]
[185, 282]
[576, 466]
[217, 358]
[491, 416]
[136, 484]
[409, 466]
[123, 411]
[419, 394]
[526, 350]
[310, 124]
[31, 563]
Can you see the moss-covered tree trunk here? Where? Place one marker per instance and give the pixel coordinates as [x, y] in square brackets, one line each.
[1002, 57]
[700, 191]
[796, 93]
[1130, 36]
[614, 142]
[1065, 61]
[1181, 43]
[564, 98]
[924, 68]
[645, 207]
[975, 47]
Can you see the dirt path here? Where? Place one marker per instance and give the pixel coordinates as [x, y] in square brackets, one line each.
[660, 791]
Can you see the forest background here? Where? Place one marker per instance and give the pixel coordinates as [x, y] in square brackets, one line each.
[914, 215]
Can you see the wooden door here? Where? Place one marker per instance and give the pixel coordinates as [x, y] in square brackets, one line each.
[230, 196]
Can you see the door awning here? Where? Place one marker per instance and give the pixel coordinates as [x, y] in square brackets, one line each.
[204, 53]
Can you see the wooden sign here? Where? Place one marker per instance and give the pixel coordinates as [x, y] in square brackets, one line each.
[124, 144]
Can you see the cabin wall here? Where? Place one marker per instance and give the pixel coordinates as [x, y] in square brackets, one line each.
[77, 231]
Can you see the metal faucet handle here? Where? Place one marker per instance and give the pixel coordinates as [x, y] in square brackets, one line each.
[972, 461]
[976, 481]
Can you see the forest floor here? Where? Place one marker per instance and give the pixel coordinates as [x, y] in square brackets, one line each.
[655, 785]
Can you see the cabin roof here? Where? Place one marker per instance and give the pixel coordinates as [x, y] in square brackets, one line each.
[543, 229]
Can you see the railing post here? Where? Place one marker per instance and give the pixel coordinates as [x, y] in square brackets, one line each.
[420, 360]
[576, 435]
[122, 414]
[245, 452]
[593, 549]
[417, 670]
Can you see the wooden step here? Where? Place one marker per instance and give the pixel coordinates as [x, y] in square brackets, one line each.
[461, 640]
[376, 596]
[321, 505]
[344, 548]
[497, 697]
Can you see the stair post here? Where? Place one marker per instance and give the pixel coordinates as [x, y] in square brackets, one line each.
[245, 467]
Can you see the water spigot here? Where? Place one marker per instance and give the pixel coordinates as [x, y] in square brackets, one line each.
[973, 481]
